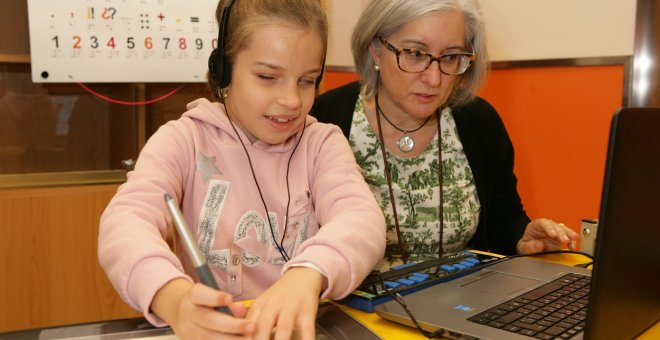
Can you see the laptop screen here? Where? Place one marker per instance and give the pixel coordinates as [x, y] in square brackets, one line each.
[626, 277]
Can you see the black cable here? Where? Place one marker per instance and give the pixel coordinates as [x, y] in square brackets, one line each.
[279, 246]
[399, 299]
[584, 265]
[548, 252]
[288, 193]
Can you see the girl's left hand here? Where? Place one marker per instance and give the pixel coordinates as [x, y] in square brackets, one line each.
[289, 306]
[544, 235]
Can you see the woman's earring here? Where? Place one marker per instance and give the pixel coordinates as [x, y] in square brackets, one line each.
[376, 68]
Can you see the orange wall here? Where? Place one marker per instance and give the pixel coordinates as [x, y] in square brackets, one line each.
[336, 79]
[558, 119]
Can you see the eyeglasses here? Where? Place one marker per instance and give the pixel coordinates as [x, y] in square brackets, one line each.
[415, 61]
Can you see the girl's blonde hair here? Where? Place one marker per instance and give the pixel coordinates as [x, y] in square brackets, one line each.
[247, 15]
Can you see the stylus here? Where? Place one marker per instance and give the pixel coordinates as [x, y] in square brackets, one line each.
[195, 255]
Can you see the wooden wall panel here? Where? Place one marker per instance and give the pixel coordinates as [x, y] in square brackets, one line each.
[14, 35]
[48, 258]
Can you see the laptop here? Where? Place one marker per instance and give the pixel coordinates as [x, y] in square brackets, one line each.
[619, 299]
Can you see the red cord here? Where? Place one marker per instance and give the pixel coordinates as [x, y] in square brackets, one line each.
[121, 102]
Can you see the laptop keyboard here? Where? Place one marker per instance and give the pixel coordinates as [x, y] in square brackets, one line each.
[556, 310]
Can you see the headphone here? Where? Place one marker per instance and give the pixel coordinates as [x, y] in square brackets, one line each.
[219, 61]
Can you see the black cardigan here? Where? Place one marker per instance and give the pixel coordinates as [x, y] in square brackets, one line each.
[489, 151]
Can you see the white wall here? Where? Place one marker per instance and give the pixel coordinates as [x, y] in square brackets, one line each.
[522, 29]
[342, 16]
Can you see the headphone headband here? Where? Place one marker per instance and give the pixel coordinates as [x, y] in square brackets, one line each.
[220, 63]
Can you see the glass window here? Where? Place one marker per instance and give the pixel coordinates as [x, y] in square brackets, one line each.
[62, 127]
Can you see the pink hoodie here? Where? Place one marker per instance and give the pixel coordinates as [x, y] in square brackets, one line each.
[199, 160]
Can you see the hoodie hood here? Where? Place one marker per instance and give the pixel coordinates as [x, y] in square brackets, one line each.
[213, 113]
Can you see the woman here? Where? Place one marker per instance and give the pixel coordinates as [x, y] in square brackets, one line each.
[420, 63]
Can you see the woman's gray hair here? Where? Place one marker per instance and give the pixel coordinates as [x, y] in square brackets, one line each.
[384, 17]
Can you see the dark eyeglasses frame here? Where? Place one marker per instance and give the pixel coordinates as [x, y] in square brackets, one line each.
[397, 51]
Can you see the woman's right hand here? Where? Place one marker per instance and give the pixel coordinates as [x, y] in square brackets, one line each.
[189, 309]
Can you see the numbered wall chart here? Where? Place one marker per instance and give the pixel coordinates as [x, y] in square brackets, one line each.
[121, 40]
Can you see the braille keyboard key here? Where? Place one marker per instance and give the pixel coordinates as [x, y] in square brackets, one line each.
[448, 268]
[405, 265]
[467, 264]
[416, 279]
[473, 260]
[392, 284]
[422, 275]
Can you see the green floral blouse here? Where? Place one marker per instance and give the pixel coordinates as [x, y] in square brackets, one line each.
[415, 186]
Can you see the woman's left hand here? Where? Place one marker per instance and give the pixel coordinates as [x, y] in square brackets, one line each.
[288, 308]
[544, 235]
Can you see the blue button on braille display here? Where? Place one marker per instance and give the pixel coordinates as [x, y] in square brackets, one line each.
[467, 264]
[460, 266]
[422, 275]
[392, 284]
[405, 265]
[473, 260]
[447, 268]
[406, 282]
[415, 279]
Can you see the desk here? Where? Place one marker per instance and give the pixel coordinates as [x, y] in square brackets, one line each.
[383, 328]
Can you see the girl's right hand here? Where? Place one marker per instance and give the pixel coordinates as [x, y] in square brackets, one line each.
[189, 310]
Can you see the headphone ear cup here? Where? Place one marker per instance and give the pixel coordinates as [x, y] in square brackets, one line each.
[220, 68]
[219, 63]
[215, 61]
[225, 71]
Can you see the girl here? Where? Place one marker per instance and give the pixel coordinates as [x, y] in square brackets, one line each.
[281, 211]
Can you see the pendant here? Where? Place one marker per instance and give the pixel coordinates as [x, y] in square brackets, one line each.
[405, 143]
